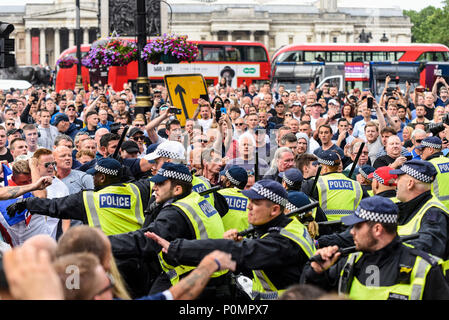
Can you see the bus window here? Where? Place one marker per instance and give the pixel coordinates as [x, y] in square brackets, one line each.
[292, 56]
[233, 53]
[433, 56]
[399, 55]
[358, 57]
[256, 54]
[211, 53]
[378, 56]
[338, 56]
[310, 56]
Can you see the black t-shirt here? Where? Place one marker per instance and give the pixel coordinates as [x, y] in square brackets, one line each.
[383, 161]
[7, 156]
[429, 113]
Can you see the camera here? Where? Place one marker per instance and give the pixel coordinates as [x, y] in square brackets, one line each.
[436, 128]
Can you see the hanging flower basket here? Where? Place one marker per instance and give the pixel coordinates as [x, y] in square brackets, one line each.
[67, 62]
[112, 52]
[170, 49]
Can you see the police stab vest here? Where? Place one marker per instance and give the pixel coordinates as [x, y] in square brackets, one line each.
[263, 288]
[409, 290]
[414, 224]
[440, 186]
[338, 195]
[199, 184]
[114, 209]
[237, 216]
[206, 222]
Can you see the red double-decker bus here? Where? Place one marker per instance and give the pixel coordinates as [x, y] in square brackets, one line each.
[238, 61]
[354, 56]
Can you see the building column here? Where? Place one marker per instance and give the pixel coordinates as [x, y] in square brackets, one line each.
[214, 36]
[251, 35]
[42, 47]
[57, 44]
[71, 37]
[86, 36]
[266, 40]
[229, 35]
[28, 47]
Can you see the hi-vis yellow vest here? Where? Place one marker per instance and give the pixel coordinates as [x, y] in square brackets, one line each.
[263, 288]
[440, 186]
[206, 222]
[414, 224]
[199, 184]
[237, 216]
[338, 195]
[114, 209]
[407, 291]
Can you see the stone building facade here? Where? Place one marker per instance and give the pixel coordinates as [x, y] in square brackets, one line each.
[43, 31]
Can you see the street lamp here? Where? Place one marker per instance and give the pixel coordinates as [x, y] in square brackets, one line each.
[143, 102]
[79, 78]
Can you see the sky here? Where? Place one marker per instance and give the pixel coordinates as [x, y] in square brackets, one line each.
[403, 4]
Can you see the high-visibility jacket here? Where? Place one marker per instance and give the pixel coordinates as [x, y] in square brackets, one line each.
[199, 184]
[414, 224]
[440, 186]
[206, 222]
[338, 195]
[237, 216]
[263, 288]
[114, 209]
[410, 290]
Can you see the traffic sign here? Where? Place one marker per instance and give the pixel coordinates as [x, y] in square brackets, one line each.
[184, 91]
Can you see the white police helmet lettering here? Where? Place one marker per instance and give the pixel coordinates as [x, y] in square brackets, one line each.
[340, 185]
[207, 208]
[444, 167]
[119, 201]
[236, 203]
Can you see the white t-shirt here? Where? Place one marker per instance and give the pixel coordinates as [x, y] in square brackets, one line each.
[205, 124]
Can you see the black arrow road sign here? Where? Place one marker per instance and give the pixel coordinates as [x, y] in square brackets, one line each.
[181, 91]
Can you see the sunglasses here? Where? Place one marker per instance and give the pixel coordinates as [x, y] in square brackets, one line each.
[288, 114]
[239, 124]
[47, 164]
[419, 140]
[139, 125]
[138, 138]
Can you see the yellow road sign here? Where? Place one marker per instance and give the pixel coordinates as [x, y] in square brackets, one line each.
[184, 91]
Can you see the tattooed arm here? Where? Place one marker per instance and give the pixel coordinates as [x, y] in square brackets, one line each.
[14, 192]
[191, 286]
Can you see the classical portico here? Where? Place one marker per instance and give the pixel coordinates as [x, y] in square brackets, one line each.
[50, 29]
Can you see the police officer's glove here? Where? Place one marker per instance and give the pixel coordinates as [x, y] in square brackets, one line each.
[17, 207]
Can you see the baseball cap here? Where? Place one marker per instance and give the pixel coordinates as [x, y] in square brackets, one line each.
[376, 209]
[296, 200]
[12, 131]
[168, 149]
[327, 158]
[333, 101]
[130, 146]
[432, 142]
[292, 177]
[237, 175]
[383, 176]
[107, 166]
[172, 171]
[267, 190]
[59, 118]
[420, 170]
[133, 131]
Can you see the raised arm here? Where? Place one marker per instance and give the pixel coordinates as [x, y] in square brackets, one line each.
[16, 191]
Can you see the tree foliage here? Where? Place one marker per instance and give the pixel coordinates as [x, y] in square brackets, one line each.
[430, 24]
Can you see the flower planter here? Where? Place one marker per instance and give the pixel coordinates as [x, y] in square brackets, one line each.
[168, 58]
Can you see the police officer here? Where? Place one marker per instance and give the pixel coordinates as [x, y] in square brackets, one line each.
[276, 257]
[431, 151]
[291, 179]
[383, 268]
[296, 200]
[420, 211]
[337, 194]
[365, 181]
[113, 206]
[234, 180]
[180, 213]
[173, 151]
